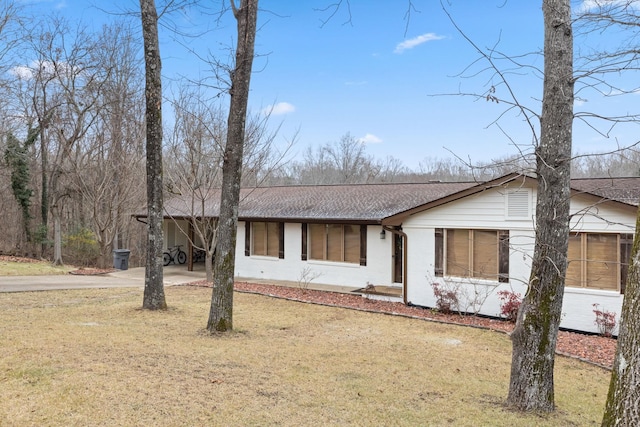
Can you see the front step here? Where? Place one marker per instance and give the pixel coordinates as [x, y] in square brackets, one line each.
[382, 293]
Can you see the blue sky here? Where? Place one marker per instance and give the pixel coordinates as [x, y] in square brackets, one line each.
[388, 82]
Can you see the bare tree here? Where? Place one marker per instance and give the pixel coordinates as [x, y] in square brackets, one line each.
[342, 162]
[534, 337]
[63, 86]
[221, 312]
[154, 297]
[194, 166]
[108, 166]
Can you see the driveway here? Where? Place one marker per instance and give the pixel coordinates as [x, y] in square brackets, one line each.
[132, 278]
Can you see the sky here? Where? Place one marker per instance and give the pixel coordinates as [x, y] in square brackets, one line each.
[393, 81]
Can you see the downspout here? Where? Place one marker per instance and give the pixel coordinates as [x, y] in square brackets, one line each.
[404, 259]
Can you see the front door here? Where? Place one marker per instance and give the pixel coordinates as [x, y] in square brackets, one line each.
[398, 257]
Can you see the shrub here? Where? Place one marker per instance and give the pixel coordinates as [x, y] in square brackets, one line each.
[447, 300]
[509, 305]
[81, 247]
[605, 320]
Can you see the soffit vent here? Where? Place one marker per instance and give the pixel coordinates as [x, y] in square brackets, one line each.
[518, 204]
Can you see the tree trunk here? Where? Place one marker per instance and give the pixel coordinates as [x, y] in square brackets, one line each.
[154, 298]
[623, 400]
[535, 335]
[221, 312]
[57, 236]
[44, 196]
[208, 265]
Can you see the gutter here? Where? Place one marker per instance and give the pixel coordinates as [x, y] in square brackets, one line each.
[139, 220]
[404, 259]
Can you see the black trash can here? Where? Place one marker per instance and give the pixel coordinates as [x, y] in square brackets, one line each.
[121, 259]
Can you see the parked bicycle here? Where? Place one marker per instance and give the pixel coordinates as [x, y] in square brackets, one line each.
[174, 254]
[199, 255]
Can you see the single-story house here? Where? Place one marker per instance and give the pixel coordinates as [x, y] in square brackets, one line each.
[474, 238]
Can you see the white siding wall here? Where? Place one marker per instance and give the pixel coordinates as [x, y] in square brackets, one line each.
[377, 271]
[486, 210]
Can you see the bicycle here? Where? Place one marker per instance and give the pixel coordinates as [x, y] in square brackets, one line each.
[174, 254]
[198, 255]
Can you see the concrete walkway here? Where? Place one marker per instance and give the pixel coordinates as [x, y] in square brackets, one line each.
[132, 278]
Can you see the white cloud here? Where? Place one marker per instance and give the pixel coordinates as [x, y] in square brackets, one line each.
[589, 5]
[416, 41]
[22, 72]
[370, 139]
[279, 109]
[45, 68]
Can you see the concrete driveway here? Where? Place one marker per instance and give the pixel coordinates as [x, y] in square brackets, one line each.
[132, 278]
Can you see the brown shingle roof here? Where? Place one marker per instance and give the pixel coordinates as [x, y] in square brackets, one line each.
[362, 203]
[366, 202]
[623, 190]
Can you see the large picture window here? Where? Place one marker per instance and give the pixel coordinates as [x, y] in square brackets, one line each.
[597, 260]
[335, 242]
[481, 254]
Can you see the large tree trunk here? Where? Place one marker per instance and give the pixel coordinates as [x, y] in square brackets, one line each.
[221, 313]
[154, 298]
[534, 338]
[623, 400]
[44, 192]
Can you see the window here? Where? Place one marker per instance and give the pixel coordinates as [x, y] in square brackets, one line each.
[598, 260]
[264, 239]
[334, 242]
[482, 254]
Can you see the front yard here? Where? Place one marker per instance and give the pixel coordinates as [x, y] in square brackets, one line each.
[92, 357]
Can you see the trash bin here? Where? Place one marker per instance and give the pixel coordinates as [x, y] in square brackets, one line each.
[121, 259]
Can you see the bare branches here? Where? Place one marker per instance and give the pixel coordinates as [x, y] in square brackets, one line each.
[490, 57]
[333, 9]
[407, 16]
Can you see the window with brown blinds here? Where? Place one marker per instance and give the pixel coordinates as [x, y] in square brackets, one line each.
[485, 254]
[458, 253]
[482, 254]
[335, 242]
[266, 239]
[595, 260]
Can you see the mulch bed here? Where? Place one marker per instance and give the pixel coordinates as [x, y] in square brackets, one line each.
[593, 349]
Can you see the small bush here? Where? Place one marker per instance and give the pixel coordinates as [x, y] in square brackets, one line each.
[81, 247]
[509, 305]
[447, 299]
[605, 320]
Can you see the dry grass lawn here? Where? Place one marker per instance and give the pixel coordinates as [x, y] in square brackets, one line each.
[93, 358]
[32, 268]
